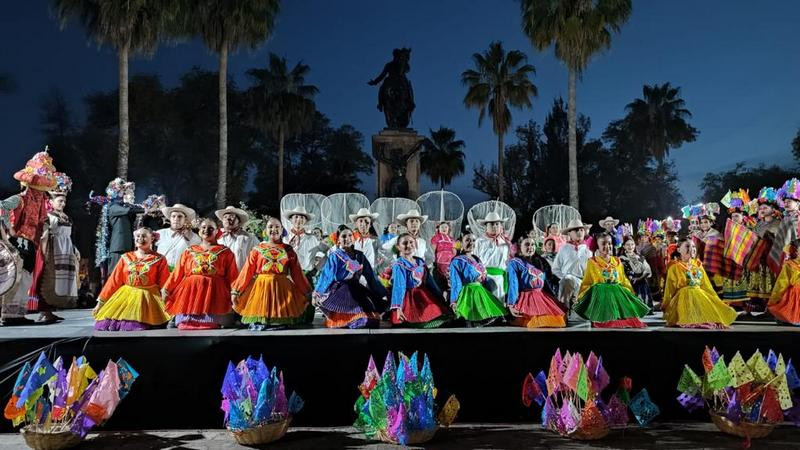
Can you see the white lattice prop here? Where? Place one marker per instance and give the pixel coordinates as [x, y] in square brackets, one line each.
[441, 206]
[389, 208]
[560, 214]
[337, 208]
[311, 202]
[480, 210]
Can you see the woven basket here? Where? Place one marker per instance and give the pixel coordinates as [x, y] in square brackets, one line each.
[415, 437]
[262, 434]
[589, 435]
[742, 429]
[50, 441]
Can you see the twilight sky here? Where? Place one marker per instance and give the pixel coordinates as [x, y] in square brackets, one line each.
[736, 63]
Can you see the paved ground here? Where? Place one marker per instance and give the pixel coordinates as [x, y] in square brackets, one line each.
[496, 436]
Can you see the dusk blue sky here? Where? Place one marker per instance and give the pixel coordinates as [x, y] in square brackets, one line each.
[737, 64]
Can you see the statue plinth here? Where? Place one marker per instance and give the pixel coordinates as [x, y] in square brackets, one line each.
[397, 153]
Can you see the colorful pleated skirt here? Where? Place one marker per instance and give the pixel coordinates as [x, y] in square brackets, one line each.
[200, 302]
[422, 309]
[476, 304]
[787, 310]
[272, 299]
[350, 304]
[693, 307]
[609, 305]
[539, 310]
[132, 309]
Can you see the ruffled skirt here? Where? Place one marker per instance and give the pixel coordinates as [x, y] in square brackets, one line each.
[539, 310]
[693, 307]
[609, 305]
[272, 299]
[422, 309]
[131, 309]
[351, 305]
[200, 302]
[787, 310]
[476, 304]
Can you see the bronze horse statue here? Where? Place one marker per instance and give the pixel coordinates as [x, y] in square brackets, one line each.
[395, 97]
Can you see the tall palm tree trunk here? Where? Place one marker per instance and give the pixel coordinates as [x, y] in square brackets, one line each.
[501, 179]
[222, 177]
[123, 148]
[573, 144]
[281, 137]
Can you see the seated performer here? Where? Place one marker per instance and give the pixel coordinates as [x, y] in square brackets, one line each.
[637, 270]
[271, 290]
[198, 291]
[689, 299]
[529, 299]
[416, 300]
[173, 241]
[412, 221]
[234, 236]
[606, 296]
[554, 233]
[344, 301]
[443, 246]
[494, 248]
[570, 263]
[302, 242]
[468, 296]
[363, 240]
[131, 298]
[606, 226]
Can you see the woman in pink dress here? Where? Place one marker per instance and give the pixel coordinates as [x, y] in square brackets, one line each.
[444, 251]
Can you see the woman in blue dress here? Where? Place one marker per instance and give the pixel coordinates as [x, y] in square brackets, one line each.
[468, 295]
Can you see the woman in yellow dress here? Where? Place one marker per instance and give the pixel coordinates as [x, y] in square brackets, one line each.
[131, 298]
[271, 290]
[689, 298]
[606, 296]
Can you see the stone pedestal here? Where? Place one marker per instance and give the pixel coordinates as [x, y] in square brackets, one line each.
[397, 146]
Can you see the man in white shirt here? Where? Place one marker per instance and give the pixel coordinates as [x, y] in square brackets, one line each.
[173, 241]
[233, 236]
[570, 263]
[363, 241]
[301, 241]
[494, 249]
[412, 221]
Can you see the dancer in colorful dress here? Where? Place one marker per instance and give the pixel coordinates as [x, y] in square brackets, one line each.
[271, 290]
[131, 298]
[784, 304]
[234, 236]
[302, 242]
[761, 278]
[689, 298]
[495, 249]
[341, 297]
[444, 251]
[570, 263]
[734, 290]
[529, 299]
[637, 270]
[198, 291]
[173, 241]
[14, 279]
[606, 296]
[468, 296]
[416, 300]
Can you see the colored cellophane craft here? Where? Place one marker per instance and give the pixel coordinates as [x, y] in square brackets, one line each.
[397, 405]
[255, 404]
[570, 397]
[745, 398]
[59, 405]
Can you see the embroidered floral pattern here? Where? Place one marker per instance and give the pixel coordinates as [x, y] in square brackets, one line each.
[277, 259]
[608, 270]
[694, 276]
[203, 262]
[138, 269]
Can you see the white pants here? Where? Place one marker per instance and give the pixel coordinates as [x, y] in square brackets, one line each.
[568, 290]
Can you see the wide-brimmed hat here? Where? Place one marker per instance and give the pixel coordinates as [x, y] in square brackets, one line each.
[609, 219]
[240, 213]
[575, 224]
[363, 212]
[298, 211]
[188, 212]
[492, 217]
[411, 214]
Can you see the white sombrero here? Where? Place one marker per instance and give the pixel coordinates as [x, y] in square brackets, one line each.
[240, 213]
[609, 219]
[411, 214]
[574, 224]
[298, 211]
[188, 212]
[363, 212]
[492, 217]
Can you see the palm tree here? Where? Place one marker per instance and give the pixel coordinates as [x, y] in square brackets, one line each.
[658, 121]
[284, 105]
[131, 27]
[442, 156]
[225, 26]
[499, 81]
[577, 29]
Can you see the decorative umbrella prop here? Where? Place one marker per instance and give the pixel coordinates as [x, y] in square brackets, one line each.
[570, 396]
[480, 210]
[59, 406]
[312, 204]
[388, 209]
[336, 209]
[745, 398]
[441, 206]
[254, 401]
[546, 215]
[397, 405]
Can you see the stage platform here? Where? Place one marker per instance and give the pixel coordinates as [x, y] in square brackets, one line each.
[181, 371]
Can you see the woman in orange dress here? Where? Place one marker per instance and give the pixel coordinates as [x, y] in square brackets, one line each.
[784, 304]
[131, 298]
[198, 291]
[271, 290]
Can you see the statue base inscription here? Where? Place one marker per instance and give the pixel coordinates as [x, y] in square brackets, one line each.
[397, 153]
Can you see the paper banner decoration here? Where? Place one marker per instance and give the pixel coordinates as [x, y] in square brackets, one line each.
[691, 402]
[643, 409]
[739, 372]
[689, 382]
[719, 377]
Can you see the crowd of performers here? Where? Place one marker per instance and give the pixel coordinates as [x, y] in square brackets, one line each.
[203, 273]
